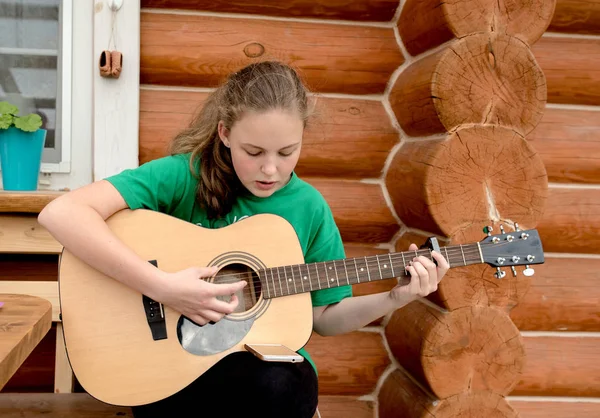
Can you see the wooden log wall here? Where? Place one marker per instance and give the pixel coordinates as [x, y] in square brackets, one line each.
[435, 118]
[559, 315]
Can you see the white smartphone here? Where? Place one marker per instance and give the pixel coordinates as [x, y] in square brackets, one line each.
[274, 352]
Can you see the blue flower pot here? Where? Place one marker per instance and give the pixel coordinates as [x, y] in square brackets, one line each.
[21, 158]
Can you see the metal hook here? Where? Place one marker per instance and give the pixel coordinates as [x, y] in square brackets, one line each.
[115, 5]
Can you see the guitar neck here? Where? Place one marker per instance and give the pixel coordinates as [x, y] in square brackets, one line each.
[301, 278]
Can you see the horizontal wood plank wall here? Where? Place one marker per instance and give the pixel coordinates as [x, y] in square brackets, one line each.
[361, 127]
[576, 17]
[561, 366]
[567, 139]
[563, 296]
[571, 67]
[556, 409]
[358, 10]
[349, 364]
[571, 221]
[199, 51]
[559, 316]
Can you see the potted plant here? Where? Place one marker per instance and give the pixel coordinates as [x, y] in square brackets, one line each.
[21, 145]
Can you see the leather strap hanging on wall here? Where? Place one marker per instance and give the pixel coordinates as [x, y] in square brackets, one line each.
[111, 61]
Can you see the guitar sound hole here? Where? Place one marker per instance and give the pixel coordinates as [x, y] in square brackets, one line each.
[250, 294]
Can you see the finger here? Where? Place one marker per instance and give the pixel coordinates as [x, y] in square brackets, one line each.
[441, 261]
[224, 307]
[414, 285]
[211, 315]
[229, 288]
[197, 319]
[423, 277]
[430, 267]
[413, 247]
[206, 271]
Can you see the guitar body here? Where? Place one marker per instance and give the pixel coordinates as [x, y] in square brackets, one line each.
[107, 334]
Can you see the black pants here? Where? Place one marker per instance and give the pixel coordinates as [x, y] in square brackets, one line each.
[243, 385]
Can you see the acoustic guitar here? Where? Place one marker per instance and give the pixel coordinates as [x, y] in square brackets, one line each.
[127, 349]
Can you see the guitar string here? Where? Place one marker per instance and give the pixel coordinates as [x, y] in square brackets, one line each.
[454, 252]
[312, 284]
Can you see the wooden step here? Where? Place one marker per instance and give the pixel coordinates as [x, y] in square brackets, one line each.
[57, 405]
[82, 405]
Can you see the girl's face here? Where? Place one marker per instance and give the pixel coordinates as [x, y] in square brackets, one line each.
[265, 148]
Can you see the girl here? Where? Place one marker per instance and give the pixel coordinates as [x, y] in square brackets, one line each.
[235, 160]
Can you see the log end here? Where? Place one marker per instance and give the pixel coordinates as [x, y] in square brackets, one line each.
[475, 176]
[489, 79]
[399, 397]
[469, 349]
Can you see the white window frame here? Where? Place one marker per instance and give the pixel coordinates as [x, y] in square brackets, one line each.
[64, 74]
[98, 144]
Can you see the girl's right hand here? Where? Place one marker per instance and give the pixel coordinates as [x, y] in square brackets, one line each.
[187, 293]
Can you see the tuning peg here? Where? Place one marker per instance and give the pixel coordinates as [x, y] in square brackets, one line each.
[514, 271]
[499, 274]
[502, 228]
[528, 271]
[488, 230]
[517, 227]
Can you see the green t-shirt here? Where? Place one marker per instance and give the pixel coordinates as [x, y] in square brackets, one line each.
[168, 186]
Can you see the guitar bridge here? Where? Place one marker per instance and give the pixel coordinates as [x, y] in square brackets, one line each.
[155, 314]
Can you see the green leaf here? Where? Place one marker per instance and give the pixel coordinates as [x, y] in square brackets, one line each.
[7, 108]
[29, 123]
[6, 120]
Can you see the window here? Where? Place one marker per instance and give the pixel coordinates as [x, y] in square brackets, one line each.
[35, 70]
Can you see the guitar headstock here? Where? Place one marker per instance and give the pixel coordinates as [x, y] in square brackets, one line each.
[511, 249]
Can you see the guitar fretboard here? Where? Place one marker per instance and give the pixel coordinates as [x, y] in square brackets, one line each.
[301, 278]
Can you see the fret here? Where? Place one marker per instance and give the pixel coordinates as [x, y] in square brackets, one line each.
[267, 271]
[356, 267]
[273, 280]
[286, 281]
[336, 274]
[326, 274]
[404, 263]
[279, 277]
[463, 254]
[346, 270]
[391, 264]
[318, 278]
[367, 265]
[293, 279]
[266, 282]
[447, 258]
[302, 278]
[308, 275]
[379, 266]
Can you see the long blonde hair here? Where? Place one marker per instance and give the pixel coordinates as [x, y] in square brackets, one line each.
[259, 87]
